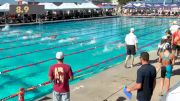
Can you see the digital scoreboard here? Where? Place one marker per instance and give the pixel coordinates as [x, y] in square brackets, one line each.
[27, 9]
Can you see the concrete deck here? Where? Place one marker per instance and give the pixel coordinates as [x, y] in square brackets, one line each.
[108, 85]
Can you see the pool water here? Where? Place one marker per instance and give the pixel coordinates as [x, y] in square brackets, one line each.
[84, 43]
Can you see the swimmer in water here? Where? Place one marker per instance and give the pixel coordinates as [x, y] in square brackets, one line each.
[36, 36]
[49, 37]
[53, 37]
[119, 45]
[25, 37]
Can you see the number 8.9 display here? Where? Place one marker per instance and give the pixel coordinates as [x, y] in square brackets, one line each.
[19, 9]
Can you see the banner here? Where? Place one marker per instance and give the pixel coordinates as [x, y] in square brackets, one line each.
[27, 9]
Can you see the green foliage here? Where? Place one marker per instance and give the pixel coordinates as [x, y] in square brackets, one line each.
[122, 2]
[107, 0]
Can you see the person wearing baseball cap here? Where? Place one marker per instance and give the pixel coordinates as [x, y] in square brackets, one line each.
[60, 74]
[131, 46]
[174, 27]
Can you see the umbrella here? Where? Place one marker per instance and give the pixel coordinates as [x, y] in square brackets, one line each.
[149, 5]
[158, 5]
[174, 5]
[129, 6]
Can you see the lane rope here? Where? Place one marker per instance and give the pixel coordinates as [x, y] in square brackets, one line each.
[26, 53]
[77, 35]
[40, 62]
[48, 82]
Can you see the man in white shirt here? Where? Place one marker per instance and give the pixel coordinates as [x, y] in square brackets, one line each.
[174, 27]
[131, 46]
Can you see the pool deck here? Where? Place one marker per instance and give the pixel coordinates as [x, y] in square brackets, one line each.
[108, 85]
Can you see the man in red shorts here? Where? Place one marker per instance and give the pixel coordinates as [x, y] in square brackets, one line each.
[60, 73]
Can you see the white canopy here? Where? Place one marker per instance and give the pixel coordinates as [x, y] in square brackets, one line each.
[68, 6]
[88, 5]
[24, 2]
[5, 7]
[49, 6]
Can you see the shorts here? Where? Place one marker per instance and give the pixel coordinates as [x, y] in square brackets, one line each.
[131, 50]
[163, 72]
[61, 96]
[175, 47]
[166, 72]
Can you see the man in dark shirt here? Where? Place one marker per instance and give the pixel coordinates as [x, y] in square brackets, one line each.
[60, 73]
[146, 79]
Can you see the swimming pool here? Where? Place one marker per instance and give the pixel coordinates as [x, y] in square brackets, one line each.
[84, 43]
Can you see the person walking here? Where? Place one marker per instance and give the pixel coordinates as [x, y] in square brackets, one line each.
[146, 79]
[131, 46]
[60, 74]
[167, 60]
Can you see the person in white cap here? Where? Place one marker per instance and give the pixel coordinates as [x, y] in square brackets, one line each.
[131, 46]
[60, 74]
[174, 27]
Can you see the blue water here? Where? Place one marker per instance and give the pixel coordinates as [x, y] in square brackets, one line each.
[72, 37]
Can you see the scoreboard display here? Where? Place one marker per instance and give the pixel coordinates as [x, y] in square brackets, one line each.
[27, 9]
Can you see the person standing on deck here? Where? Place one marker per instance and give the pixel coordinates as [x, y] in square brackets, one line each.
[146, 79]
[131, 46]
[167, 60]
[174, 27]
[60, 74]
[176, 42]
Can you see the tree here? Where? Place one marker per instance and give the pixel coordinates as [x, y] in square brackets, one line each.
[107, 0]
[122, 2]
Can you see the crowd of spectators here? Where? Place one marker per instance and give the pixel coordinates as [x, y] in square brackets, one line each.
[6, 18]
